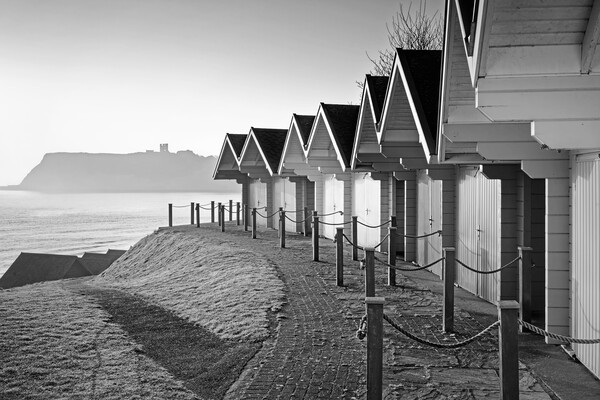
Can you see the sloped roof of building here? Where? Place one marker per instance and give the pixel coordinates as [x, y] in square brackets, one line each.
[237, 142]
[32, 267]
[270, 142]
[377, 88]
[342, 119]
[422, 70]
[98, 262]
[304, 123]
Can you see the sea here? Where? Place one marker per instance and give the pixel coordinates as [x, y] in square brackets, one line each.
[74, 223]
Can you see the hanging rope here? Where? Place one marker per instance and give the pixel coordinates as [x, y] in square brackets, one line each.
[187, 205]
[297, 222]
[352, 244]
[361, 332]
[382, 240]
[267, 216]
[335, 224]
[488, 272]
[333, 213]
[207, 208]
[416, 268]
[556, 336]
[439, 345]
[420, 236]
[374, 226]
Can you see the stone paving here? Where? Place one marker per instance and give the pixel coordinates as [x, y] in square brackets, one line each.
[314, 352]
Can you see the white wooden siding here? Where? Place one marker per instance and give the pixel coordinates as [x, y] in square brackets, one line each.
[410, 218]
[257, 198]
[585, 296]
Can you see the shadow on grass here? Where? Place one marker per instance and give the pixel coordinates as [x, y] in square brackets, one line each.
[206, 364]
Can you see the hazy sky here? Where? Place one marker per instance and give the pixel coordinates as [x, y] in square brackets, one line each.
[122, 76]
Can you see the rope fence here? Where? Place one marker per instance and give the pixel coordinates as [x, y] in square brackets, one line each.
[267, 216]
[416, 268]
[334, 223]
[426, 342]
[374, 226]
[333, 213]
[297, 222]
[419, 236]
[184, 206]
[488, 272]
[555, 336]
[352, 244]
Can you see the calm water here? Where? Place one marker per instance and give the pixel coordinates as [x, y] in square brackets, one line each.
[75, 223]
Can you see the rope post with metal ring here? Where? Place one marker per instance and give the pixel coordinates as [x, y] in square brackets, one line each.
[306, 222]
[246, 217]
[508, 311]
[339, 256]
[170, 214]
[315, 236]
[354, 237]
[197, 215]
[219, 213]
[449, 272]
[369, 272]
[254, 223]
[374, 307]
[237, 213]
[212, 212]
[192, 213]
[281, 228]
[391, 255]
[222, 214]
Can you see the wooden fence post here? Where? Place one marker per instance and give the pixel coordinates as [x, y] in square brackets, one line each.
[279, 224]
[230, 210]
[254, 223]
[509, 349]
[170, 214]
[282, 228]
[374, 347]
[369, 272]
[391, 255]
[197, 215]
[525, 284]
[222, 213]
[315, 236]
[306, 222]
[237, 213]
[339, 256]
[246, 217]
[192, 213]
[219, 213]
[449, 270]
[212, 212]
[355, 238]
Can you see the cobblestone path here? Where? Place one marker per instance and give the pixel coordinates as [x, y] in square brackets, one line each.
[315, 353]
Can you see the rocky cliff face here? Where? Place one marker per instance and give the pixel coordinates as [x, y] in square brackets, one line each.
[136, 172]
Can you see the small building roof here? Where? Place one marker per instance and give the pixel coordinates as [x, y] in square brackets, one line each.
[33, 267]
[98, 262]
[262, 151]
[377, 88]
[236, 142]
[304, 124]
[227, 166]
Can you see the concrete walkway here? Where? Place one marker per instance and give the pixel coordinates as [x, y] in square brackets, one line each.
[315, 354]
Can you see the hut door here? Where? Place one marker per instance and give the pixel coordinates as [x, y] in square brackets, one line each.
[333, 202]
[372, 213]
[423, 215]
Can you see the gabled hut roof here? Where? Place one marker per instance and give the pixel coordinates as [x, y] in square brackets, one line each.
[32, 267]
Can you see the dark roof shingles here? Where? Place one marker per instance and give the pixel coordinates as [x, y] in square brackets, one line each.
[424, 75]
[342, 119]
[271, 141]
[377, 89]
[305, 123]
[237, 142]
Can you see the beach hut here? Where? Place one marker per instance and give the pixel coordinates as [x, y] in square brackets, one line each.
[260, 159]
[33, 267]
[373, 182]
[329, 151]
[536, 74]
[294, 168]
[407, 133]
[228, 166]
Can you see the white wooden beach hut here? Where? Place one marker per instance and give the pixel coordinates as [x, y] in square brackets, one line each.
[329, 151]
[407, 133]
[259, 160]
[373, 183]
[294, 168]
[228, 167]
[522, 86]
